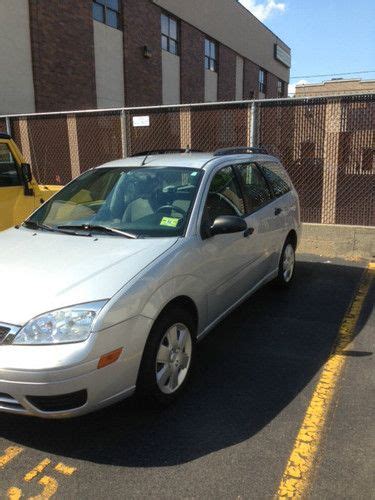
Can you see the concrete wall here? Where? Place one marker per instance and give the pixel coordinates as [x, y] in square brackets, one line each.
[231, 24]
[210, 86]
[171, 78]
[239, 78]
[109, 66]
[16, 76]
[329, 240]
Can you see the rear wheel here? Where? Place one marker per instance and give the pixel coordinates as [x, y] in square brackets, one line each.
[168, 358]
[287, 265]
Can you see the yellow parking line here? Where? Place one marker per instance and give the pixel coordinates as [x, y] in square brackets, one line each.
[37, 470]
[9, 454]
[297, 474]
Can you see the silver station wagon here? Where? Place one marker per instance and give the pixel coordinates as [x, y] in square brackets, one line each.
[111, 283]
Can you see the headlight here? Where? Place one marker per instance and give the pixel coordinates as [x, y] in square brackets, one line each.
[62, 326]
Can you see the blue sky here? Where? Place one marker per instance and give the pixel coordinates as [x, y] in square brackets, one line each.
[326, 36]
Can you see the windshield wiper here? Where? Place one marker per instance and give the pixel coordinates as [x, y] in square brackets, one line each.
[38, 225]
[103, 229]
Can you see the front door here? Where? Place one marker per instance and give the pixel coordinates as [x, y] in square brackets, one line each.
[224, 258]
[14, 205]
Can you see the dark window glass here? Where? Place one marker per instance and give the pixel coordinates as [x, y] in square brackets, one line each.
[210, 61]
[256, 188]
[98, 12]
[8, 168]
[107, 12]
[262, 81]
[113, 4]
[277, 178]
[224, 197]
[280, 88]
[112, 18]
[169, 34]
[165, 25]
[164, 42]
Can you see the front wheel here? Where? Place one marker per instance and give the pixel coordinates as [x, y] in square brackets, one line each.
[168, 358]
[287, 265]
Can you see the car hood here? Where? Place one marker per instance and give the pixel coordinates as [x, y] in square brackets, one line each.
[41, 271]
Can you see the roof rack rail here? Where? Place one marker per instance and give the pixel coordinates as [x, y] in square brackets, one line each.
[165, 151]
[241, 150]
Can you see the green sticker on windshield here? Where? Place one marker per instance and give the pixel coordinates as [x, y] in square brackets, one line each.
[169, 222]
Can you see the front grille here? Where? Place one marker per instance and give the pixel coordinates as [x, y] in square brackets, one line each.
[7, 333]
[9, 403]
[4, 330]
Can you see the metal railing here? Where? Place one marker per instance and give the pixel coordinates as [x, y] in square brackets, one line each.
[326, 143]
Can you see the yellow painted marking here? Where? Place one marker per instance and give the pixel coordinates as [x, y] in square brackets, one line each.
[14, 493]
[37, 470]
[64, 469]
[298, 471]
[50, 488]
[9, 454]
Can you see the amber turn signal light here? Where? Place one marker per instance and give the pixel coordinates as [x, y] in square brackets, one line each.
[108, 359]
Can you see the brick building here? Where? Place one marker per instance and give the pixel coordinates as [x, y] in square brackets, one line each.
[336, 86]
[69, 54]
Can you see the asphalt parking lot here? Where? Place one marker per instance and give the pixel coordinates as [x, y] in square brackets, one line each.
[232, 432]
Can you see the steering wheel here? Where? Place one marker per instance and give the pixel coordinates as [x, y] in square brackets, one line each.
[169, 208]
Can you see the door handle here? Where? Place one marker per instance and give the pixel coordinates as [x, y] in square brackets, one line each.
[249, 231]
[278, 211]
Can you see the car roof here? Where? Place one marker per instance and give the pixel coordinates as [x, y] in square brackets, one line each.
[185, 160]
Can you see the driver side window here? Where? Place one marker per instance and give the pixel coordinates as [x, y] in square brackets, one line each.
[8, 168]
[224, 197]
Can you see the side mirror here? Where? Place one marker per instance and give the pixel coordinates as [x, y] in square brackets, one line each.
[26, 173]
[227, 224]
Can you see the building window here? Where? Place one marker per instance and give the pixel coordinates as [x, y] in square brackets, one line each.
[210, 52]
[169, 34]
[280, 88]
[262, 81]
[107, 12]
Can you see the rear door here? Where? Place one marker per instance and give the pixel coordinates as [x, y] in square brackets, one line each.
[260, 215]
[285, 205]
[14, 205]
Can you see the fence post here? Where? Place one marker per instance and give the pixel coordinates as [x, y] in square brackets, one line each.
[185, 128]
[331, 158]
[73, 146]
[25, 142]
[8, 125]
[124, 136]
[251, 124]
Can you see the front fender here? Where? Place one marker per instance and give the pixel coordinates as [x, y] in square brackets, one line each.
[186, 286]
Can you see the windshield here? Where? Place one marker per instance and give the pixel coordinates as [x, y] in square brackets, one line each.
[153, 202]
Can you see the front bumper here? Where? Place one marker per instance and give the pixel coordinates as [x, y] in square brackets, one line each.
[59, 381]
[73, 394]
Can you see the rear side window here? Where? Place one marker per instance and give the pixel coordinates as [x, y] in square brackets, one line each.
[255, 186]
[8, 168]
[277, 178]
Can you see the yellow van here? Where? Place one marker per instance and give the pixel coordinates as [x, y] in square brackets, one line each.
[20, 194]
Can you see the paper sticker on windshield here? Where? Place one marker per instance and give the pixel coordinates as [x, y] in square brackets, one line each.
[169, 222]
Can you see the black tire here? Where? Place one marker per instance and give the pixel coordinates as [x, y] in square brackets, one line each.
[284, 279]
[148, 390]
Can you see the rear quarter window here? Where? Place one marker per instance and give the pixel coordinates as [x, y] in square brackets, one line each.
[277, 178]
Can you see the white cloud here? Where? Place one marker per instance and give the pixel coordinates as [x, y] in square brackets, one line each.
[292, 86]
[264, 9]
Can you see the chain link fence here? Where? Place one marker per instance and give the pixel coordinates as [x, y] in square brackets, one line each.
[326, 143]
